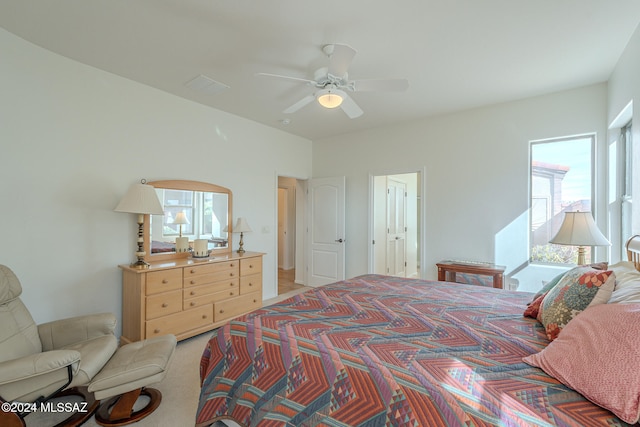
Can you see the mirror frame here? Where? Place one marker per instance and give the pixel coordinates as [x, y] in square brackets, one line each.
[174, 184]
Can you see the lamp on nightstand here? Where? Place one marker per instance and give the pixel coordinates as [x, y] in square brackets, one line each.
[141, 199]
[242, 226]
[579, 229]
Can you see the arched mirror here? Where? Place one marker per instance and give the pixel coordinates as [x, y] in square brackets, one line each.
[193, 211]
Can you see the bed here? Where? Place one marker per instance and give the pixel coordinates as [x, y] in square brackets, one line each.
[386, 351]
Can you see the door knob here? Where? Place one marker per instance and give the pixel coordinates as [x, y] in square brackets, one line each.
[339, 240]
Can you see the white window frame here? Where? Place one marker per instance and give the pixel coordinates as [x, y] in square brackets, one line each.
[593, 144]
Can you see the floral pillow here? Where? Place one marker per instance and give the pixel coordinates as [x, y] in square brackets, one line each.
[597, 355]
[578, 289]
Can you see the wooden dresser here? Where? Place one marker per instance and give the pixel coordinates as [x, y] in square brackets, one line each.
[186, 297]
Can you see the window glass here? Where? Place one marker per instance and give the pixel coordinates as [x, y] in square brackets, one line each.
[561, 181]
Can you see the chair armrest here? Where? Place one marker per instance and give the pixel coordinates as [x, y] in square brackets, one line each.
[37, 364]
[63, 332]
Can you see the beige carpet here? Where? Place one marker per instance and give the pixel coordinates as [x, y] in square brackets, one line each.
[180, 388]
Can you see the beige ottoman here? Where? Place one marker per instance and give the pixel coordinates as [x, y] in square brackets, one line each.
[131, 369]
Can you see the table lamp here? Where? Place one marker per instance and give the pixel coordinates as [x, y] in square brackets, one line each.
[141, 199]
[579, 229]
[241, 227]
[182, 243]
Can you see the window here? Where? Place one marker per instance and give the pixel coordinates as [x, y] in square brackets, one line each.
[561, 174]
[626, 190]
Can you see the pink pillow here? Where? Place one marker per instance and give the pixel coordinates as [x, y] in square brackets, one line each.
[598, 355]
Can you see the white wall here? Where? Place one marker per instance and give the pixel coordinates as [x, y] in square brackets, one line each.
[477, 173]
[74, 138]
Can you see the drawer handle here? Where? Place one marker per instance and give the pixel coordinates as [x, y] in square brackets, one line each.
[250, 284]
[231, 293]
[231, 265]
[250, 265]
[165, 281]
[204, 316]
[231, 274]
[192, 303]
[230, 283]
[255, 300]
[221, 311]
[193, 272]
[193, 282]
[165, 305]
[156, 331]
[192, 293]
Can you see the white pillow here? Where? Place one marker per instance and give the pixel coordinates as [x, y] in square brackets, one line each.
[630, 293]
[626, 274]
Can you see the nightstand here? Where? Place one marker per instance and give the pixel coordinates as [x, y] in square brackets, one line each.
[448, 271]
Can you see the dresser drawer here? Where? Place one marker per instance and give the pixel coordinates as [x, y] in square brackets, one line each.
[234, 307]
[196, 291]
[250, 266]
[210, 298]
[251, 283]
[178, 323]
[163, 280]
[205, 269]
[163, 304]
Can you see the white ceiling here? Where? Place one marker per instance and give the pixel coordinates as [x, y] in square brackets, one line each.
[456, 54]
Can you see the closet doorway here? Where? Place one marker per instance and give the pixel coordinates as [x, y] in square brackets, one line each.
[396, 205]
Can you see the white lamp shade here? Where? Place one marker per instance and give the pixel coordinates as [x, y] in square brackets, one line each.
[579, 229]
[181, 218]
[140, 199]
[242, 226]
[330, 98]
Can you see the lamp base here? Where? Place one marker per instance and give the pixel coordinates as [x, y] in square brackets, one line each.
[140, 264]
[240, 248]
[581, 255]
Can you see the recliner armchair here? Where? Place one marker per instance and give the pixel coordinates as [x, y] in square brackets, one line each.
[38, 362]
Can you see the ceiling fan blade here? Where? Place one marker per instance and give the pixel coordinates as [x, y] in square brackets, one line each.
[350, 107]
[340, 59]
[396, 85]
[278, 76]
[298, 105]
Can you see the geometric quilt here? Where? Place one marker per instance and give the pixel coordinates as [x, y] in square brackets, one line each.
[387, 351]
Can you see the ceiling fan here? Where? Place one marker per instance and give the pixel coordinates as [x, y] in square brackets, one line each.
[332, 83]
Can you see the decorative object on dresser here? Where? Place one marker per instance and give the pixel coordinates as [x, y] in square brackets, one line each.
[460, 271]
[141, 199]
[207, 206]
[242, 226]
[579, 229]
[182, 243]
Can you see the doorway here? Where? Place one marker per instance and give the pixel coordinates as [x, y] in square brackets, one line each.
[396, 205]
[290, 244]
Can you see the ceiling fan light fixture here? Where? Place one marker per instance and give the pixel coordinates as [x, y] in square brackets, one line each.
[330, 98]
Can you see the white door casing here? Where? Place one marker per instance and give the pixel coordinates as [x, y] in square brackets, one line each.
[326, 201]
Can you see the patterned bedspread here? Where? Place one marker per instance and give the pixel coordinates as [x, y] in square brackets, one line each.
[385, 351]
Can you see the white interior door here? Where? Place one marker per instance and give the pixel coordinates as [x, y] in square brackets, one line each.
[326, 230]
[396, 228]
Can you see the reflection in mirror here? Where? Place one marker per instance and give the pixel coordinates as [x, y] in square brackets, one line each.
[191, 212]
[205, 217]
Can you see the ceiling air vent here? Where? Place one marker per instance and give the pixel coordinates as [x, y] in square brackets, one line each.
[206, 85]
